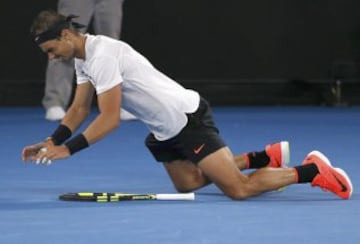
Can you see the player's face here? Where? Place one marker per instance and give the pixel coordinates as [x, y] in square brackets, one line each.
[58, 49]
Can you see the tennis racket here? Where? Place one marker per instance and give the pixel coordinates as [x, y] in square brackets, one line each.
[117, 197]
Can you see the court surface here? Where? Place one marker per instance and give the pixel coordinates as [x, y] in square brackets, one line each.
[31, 213]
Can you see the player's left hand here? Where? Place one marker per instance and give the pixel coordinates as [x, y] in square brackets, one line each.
[29, 152]
[47, 154]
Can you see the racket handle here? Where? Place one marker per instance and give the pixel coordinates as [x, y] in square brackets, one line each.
[178, 196]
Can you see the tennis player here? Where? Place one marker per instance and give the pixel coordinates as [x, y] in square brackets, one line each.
[183, 135]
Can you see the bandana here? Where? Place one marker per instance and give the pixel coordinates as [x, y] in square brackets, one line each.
[55, 30]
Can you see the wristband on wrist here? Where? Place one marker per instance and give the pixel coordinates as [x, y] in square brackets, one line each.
[77, 143]
[61, 134]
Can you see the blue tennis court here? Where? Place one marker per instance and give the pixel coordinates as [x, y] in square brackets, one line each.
[30, 211]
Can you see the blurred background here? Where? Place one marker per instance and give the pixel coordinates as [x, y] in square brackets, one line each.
[252, 52]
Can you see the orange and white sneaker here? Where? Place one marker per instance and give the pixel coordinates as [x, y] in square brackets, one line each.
[279, 154]
[329, 178]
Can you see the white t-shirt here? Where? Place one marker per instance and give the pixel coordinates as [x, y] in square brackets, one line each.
[151, 96]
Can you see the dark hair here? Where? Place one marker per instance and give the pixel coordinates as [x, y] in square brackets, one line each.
[48, 25]
[46, 20]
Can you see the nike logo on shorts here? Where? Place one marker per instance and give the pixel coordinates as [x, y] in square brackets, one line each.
[198, 150]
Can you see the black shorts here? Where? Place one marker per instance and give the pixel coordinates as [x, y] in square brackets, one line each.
[196, 140]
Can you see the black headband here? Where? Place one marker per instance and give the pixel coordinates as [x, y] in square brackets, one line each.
[55, 30]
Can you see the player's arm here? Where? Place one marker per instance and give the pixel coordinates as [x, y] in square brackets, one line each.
[80, 107]
[108, 119]
[75, 115]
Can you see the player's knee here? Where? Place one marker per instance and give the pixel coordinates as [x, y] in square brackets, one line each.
[237, 193]
[238, 196]
[183, 188]
[187, 186]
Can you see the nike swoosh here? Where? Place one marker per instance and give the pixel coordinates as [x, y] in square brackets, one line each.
[343, 187]
[198, 150]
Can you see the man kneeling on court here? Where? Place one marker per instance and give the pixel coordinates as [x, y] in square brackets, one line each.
[183, 135]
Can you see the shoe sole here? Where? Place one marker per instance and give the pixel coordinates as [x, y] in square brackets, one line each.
[343, 173]
[340, 171]
[285, 153]
[285, 158]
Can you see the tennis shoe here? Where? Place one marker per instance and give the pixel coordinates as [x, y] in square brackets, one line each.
[329, 178]
[55, 113]
[279, 154]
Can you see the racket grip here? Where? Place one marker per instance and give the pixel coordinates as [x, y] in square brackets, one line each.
[179, 196]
